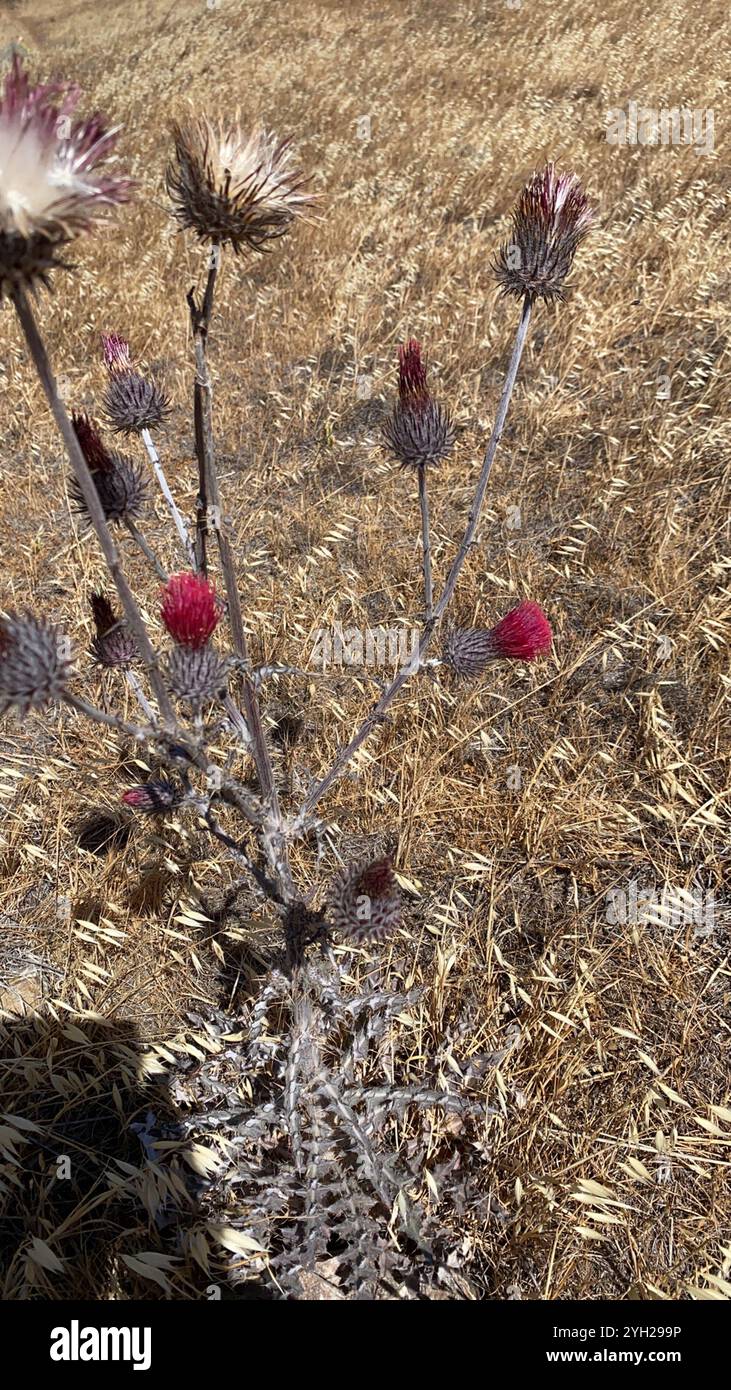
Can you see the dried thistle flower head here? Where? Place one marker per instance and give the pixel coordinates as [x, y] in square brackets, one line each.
[35, 662]
[196, 675]
[55, 176]
[155, 797]
[550, 219]
[113, 645]
[233, 188]
[419, 431]
[132, 402]
[92, 446]
[190, 609]
[121, 489]
[523, 634]
[365, 902]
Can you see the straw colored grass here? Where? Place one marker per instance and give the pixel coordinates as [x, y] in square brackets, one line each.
[513, 808]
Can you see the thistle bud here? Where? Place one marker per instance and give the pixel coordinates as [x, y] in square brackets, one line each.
[132, 403]
[550, 220]
[419, 431]
[365, 903]
[190, 609]
[156, 797]
[113, 645]
[35, 662]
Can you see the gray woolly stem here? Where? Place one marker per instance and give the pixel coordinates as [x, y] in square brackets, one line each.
[138, 693]
[425, 544]
[209, 513]
[37, 350]
[146, 549]
[379, 710]
[180, 525]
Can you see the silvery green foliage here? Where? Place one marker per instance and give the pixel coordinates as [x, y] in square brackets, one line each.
[311, 1170]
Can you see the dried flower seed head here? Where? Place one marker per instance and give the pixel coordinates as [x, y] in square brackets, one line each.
[35, 662]
[94, 450]
[232, 188]
[523, 634]
[55, 176]
[113, 645]
[550, 220]
[196, 675]
[121, 488]
[419, 431]
[132, 402]
[155, 797]
[190, 609]
[365, 903]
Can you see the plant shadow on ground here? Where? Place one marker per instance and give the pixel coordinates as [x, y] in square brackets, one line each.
[97, 1200]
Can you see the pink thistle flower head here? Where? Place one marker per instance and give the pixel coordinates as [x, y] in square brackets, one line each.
[116, 353]
[550, 220]
[55, 175]
[190, 609]
[523, 634]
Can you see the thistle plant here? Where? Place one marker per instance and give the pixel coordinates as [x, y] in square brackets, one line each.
[240, 193]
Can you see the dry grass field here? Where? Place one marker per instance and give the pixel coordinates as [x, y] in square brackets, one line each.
[515, 809]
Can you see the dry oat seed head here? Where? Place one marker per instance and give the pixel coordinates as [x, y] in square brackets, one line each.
[550, 220]
[364, 902]
[35, 662]
[233, 188]
[55, 176]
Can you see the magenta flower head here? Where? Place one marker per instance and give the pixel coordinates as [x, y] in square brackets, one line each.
[155, 797]
[55, 176]
[190, 609]
[365, 903]
[35, 662]
[94, 450]
[522, 635]
[550, 220]
[132, 402]
[419, 431]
